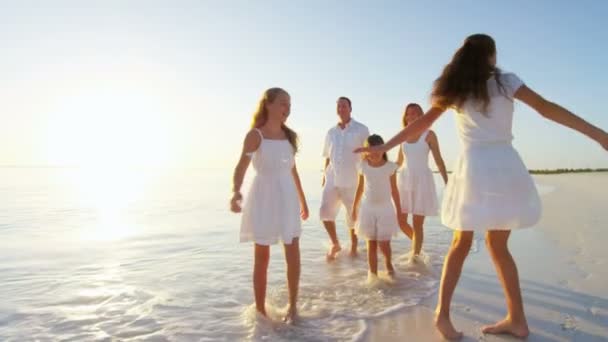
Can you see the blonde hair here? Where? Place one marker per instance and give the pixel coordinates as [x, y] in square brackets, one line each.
[260, 116]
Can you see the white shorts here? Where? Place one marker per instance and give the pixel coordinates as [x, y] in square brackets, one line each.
[377, 221]
[331, 200]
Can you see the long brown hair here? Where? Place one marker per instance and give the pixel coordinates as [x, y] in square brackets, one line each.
[466, 76]
[410, 105]
[260, 116]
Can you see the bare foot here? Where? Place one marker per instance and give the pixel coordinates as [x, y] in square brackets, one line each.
[333, 252]
[291, 315]
[447, 330]
[506, 326]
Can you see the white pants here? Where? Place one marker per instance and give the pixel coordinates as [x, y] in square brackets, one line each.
[332, 198]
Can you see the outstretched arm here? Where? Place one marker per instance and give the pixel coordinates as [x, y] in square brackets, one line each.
[414, 129]
[562, 116]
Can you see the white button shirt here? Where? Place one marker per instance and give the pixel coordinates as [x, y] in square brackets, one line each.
[339, 146]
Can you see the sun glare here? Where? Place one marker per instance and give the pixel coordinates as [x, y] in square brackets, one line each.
[108, 128]
[116, 140]
[110, 193]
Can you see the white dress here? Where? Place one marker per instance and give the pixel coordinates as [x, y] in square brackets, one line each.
[377, 215]
[416, 185]
[271, 209]
[490, 188]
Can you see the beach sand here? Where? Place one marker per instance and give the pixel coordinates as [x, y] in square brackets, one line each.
[562, 266]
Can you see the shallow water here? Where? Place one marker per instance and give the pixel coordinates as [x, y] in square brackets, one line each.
[90, 254]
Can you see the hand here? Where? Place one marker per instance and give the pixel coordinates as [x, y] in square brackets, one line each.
[304, 212]
[235, 206]
[362, 150]
[377, 148]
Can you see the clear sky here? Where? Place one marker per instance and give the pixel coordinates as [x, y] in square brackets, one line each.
[175, 82]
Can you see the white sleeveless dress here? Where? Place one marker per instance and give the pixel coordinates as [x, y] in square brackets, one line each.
[416, 185]
[271, 209]
[490, 188]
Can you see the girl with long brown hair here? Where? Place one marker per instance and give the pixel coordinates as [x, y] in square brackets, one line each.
[490, 191]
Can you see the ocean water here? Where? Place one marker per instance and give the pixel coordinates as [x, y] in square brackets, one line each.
[153, 255]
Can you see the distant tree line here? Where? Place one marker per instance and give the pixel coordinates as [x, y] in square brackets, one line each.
[557, 171]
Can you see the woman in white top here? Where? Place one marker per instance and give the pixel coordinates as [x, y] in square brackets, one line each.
[376, 218]
[275, 204]
[416, 184]
[490, 190]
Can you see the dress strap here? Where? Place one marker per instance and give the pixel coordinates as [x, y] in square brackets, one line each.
[259, 132]
[423, 136]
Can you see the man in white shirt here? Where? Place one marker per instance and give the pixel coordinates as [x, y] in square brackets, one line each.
[340, 176]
